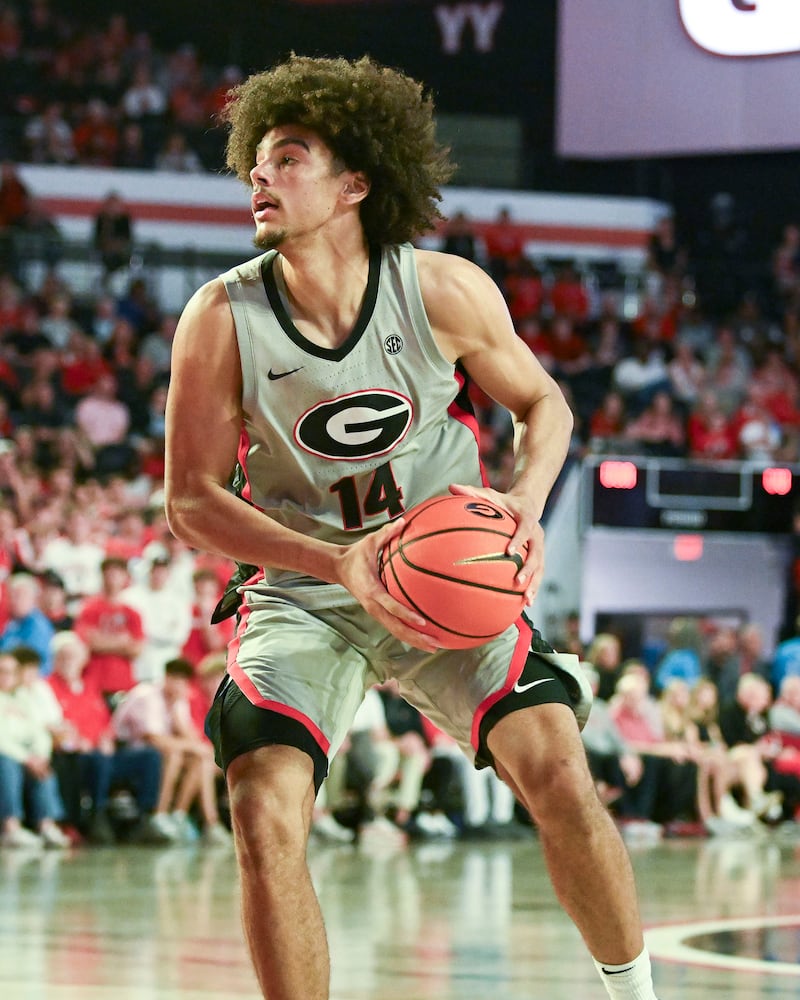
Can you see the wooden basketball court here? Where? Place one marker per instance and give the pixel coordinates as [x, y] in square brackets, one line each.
[432, 921]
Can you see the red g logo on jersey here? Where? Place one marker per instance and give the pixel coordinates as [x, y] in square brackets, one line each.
[357, 426]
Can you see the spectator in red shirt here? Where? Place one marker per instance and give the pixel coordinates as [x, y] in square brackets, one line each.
[113, 632]
[505, 246]
[96, 136]
[209, 673]
[205, 638]
[568, 296]
[569, 350]
[87, 760]
[608, 420]
[525, 291]
[709, 432]
[15, 200]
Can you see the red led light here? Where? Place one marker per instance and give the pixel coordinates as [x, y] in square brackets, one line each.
[688, 548]
[777, 482]
[618, 475]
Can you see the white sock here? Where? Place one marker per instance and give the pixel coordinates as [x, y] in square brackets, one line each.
[629, 981]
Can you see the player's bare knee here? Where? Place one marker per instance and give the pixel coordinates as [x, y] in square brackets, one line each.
[561, 793]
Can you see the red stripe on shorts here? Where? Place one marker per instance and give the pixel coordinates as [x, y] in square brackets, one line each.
[515, 668]
[251, 692]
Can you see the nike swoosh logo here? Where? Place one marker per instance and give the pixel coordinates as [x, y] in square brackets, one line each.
[522, 688]
[616, 972]
[492, 557]
[272, 376]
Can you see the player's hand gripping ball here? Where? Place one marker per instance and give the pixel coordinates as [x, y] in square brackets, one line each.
[449, 564]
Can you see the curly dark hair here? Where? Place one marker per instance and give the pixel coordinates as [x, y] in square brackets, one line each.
[373, 119]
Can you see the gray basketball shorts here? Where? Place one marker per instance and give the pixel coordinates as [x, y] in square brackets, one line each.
[303, 675]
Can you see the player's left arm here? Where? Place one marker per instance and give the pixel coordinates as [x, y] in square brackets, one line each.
[471, 323]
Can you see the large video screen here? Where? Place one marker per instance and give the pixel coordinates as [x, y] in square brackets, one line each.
[670, 77]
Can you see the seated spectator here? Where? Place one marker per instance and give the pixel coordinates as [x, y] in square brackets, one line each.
[607, 422]
[784, 714]
[113, 234]
[604, 653]
[104, 422]
[58, 323]
[159, 715]
[359, 761]
[525, 291]
[96, 136]
[176, 156]
[614, 766]
[778, 387]
[666, 257]
[82, 366]
[728, 367]
[156, 345]
[568, 349]
[403, 762]
[786, 263]
[656, 321]
[131, 151]
[86, 759]
[48, 136]
[144, 100]
[166, 616]
[204, 637]
[658, 428]
[668, 788]
[530, 330]
[718, 769]
[455, 802]
[687, 376]
[745, 726]
[112, 630]
[709, 431]
[567, 295]
[53, 601]
[75, 556]
[639, 376]
[30, 804]
[459, 237]
[682, 658]
[505, 246]
[758, 433]
[27, 624]
[15, 198]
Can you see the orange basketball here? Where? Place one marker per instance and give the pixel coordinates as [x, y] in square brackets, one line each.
[449, 564]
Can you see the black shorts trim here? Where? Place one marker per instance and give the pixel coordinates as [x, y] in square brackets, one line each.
[538, 684]
[235, 726]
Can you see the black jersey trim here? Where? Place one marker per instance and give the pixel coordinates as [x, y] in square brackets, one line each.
[364, 316]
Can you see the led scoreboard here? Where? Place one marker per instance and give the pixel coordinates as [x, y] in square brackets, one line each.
[674, 495]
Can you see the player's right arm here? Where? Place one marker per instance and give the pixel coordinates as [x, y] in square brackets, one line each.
[203, 426]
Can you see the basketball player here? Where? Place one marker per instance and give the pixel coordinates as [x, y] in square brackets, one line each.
[330, 374]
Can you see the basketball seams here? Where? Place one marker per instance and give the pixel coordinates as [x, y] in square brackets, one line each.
[461, 581]
[476, 609]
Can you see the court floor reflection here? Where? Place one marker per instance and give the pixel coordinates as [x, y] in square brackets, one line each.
[435, 921]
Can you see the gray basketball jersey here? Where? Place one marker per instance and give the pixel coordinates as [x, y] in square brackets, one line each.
[336, 442]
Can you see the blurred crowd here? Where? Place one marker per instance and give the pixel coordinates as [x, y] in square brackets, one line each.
[696, 368]
[74, 91]
[108, 659]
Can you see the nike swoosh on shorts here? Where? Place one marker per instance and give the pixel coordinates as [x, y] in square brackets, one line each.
[522, 688]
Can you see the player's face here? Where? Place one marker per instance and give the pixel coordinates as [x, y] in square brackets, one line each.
[297, 185]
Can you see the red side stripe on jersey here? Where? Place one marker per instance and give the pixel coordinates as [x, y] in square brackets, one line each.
[461, 410]
[515, 668]
[244, 448]
[251, 692]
